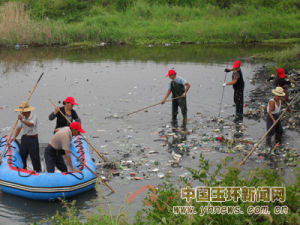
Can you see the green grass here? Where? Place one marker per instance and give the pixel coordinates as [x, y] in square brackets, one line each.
[203, 176]
[288, 58]
[222, 176]
[143, 22]
[282, 41]
[102, 215]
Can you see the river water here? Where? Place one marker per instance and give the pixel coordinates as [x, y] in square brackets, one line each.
[115, 81]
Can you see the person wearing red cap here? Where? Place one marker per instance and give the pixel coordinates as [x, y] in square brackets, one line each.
[67, 110]
[178, 87]
[280, 81]
[238, 87]
[60, 145]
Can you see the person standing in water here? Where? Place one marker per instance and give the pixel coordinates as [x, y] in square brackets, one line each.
[178, 87]
[238, 87]
[273, 109]
[68, 111]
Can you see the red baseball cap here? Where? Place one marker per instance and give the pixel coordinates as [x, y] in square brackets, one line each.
[70, 100]
[171, 72]
[77, 126]
[281, 73]
[237, 64]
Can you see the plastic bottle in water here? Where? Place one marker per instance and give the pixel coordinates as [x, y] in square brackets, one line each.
[259, 160]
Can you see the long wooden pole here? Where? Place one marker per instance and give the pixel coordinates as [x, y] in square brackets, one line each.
[93, 172]
[222, 96]
[150, 106]
[81, 134]
[16, 123]
[263, 137]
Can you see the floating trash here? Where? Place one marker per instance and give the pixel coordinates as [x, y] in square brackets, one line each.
[100, 130]
[160, 175]
[153, 152]
[176, 157]
[132, 174]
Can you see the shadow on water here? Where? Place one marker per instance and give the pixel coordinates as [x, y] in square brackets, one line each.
[20, 210]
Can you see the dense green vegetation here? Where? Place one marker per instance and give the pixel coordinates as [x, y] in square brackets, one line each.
[288, 58]
[48, 22]
[230, 177]
[203, 176]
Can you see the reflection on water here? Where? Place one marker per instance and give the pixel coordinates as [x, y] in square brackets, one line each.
[17, 210]
[12, 59]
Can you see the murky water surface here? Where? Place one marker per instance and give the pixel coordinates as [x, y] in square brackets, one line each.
[117, 81]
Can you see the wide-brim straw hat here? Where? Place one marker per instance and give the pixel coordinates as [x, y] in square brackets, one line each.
[278, 91]
[24, 107]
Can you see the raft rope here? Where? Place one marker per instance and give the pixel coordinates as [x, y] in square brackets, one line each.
[80, 151]
[10, 161]
[70, 173]
[12, 158]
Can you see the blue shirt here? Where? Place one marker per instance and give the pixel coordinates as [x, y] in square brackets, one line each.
[178, 80]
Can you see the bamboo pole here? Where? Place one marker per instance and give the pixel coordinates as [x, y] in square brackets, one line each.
[81, 134]
[93, 172]
[150, 106]
[222, 96]
[16, 123]
[263, 137]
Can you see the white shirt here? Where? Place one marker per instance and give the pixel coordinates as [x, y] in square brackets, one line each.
[61, 139]
[29, 130]
[277, 107]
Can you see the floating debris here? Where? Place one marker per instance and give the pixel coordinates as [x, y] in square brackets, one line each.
[132, 174]
[160, 175]
[153, 152]
[154, 170]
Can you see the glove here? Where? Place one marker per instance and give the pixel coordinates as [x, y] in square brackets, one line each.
[224, 84]
[227, 70]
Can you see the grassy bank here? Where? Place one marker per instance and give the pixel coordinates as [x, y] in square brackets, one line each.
[288, 58]
[61, 22]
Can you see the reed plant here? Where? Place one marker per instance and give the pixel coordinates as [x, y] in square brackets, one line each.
[142, 21]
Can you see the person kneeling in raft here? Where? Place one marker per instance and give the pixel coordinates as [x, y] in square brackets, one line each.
[59, 145]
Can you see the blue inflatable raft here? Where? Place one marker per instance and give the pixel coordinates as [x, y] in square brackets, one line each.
[45, 186]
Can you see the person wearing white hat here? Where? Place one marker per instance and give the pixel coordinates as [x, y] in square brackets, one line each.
[28, 122]
[273, 109]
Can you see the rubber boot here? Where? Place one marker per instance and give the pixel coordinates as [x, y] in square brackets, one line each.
[278, 138]
[174, 123]
[184, 122]
[269, 141]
